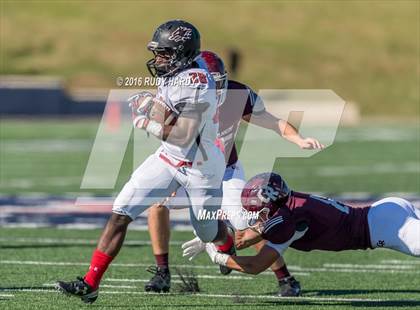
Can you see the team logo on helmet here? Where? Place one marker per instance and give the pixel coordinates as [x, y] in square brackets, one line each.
[181, 34]
[267, 194]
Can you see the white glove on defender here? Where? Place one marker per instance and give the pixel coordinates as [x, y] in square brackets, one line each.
[192, 248]
[215, 256]
[195, 246]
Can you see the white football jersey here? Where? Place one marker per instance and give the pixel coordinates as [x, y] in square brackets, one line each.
[192, 90]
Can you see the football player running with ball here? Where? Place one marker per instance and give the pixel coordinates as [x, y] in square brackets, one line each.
[187, 158]
[308, 222]
[237, 102]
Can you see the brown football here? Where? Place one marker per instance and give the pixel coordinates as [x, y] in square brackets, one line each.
[161, 113]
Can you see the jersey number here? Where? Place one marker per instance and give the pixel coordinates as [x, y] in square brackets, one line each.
[336, 204]
[198, 78]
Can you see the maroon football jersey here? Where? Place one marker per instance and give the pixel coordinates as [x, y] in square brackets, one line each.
[240, 101]
[332, 225]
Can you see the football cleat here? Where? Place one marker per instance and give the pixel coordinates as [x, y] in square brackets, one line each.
[161, 280]
[78, 288]
[289, 287]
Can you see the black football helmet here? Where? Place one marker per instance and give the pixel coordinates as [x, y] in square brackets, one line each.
[175, 44]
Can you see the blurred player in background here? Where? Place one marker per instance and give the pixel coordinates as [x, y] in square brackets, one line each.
[308, 222]
[236, 102]
[187, 158]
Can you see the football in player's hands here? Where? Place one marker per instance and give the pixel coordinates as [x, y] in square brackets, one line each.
[141, 103]
[150, 113]
[161, 113]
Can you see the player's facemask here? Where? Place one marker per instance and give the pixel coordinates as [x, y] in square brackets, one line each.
[167, 61]
[257, 221]
[163, 63]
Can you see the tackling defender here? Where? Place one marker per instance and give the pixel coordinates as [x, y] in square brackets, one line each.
[307, 222]
[236, 102]
[187, 157]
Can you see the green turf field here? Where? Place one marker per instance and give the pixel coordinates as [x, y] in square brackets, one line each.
[32, 259]
[50, 156]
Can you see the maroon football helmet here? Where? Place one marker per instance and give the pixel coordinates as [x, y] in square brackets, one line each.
[216, 67]
[264, 194]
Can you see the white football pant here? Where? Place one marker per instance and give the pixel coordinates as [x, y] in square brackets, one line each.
[155, 180]
[233, 183]
[394, 223]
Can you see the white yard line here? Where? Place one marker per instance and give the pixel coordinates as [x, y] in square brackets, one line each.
[199, 276]
[120, 286]
[370, 266]
[402, 262]
[295, 273]
[7, 295]
[302, 298]
[18, 262]
[77, 241]
[354, 270]
[297, 270]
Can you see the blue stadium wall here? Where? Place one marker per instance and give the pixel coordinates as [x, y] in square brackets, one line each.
[27, 101]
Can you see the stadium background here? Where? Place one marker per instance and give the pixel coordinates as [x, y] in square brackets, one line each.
[366, 51]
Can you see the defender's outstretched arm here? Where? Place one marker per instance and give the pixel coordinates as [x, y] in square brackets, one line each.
[246, 238]
[267, 120]
[247, 264]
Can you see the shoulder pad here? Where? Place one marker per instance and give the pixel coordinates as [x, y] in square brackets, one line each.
[197, 77]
